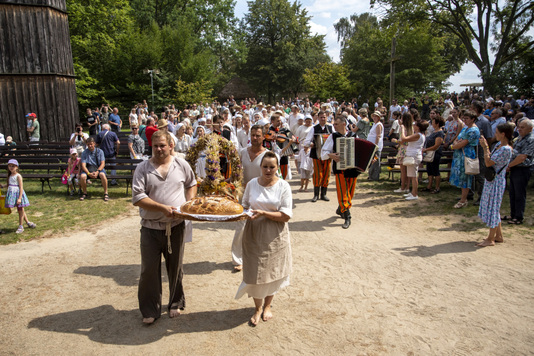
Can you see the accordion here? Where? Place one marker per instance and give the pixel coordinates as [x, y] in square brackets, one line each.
[355, 153]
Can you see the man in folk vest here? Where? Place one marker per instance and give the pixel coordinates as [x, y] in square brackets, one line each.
[321, 168]
[346, 179]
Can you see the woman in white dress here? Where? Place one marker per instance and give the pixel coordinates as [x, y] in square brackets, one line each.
[266, 244]
[376, 136]
[184, 141]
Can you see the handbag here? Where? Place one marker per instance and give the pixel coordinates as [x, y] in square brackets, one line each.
[64, 178]
[408, 161]
[3, 209]
[429, 156]
[472, 166]
[489, 172]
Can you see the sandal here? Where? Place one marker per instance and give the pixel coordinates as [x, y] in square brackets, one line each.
[515, 222]
[106, 197]
[460, 205]
[82, 198]
[506, 217]
[436, 191]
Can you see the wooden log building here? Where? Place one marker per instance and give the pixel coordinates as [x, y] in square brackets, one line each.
[36, 69]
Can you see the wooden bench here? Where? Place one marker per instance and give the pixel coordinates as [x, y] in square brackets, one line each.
[41, 168]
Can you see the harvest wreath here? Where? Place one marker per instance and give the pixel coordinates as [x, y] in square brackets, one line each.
[214, 182]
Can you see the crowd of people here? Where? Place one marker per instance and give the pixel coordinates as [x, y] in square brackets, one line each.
[490, 138]
[266, 136]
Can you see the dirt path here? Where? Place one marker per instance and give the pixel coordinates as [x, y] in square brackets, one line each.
[388, 285]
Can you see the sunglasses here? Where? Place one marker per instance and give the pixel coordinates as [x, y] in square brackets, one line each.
[135, 128]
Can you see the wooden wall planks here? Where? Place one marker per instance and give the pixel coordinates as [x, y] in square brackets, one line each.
[36, 69]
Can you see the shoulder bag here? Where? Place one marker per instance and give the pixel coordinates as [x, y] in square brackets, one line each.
[429, 156]
[408, 161]
[472, 166]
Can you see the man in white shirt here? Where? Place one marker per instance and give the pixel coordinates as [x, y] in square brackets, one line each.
[194, 112]
[496, 118]
[393, 107]
[294, 118]
[243, 134]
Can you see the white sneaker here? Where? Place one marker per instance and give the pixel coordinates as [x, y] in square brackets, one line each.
[407, 191]
[408, 195]
[411, 197]
[400, 190]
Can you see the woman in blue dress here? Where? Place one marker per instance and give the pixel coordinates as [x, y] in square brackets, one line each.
[466, 143]
[490, 202]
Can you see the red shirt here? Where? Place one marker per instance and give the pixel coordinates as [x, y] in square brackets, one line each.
[149, 131]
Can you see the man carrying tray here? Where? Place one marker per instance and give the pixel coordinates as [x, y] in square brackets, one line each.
[346, 179]
[321, 167]
[159, 185]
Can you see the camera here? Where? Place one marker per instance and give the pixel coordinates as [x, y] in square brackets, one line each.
[79, 129]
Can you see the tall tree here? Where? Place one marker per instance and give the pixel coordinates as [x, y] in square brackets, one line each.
[280, 47]
[425, 58]
[97, 28]
[493, 32]
[329, 80]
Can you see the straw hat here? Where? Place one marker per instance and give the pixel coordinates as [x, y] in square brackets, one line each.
[162, 123]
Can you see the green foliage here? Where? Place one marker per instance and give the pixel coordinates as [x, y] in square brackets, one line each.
[328, 80]
[493, 32]
[424, 57]
[187, 93]
[280, 47]
[114, 41]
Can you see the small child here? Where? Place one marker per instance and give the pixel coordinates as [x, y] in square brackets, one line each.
[73, 170]
[15, 196]
[305, 169]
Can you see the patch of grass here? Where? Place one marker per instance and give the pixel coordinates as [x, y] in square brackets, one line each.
[55, 212]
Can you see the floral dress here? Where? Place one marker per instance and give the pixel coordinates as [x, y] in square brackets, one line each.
[458, 176]
[451, 131]
[491, 199]
[13, 194]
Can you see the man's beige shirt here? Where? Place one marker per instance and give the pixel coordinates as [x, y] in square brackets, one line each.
[147, 182]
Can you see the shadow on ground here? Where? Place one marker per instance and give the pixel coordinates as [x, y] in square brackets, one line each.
[128, 275]
[107, 325]
[429, 251]
[313, 225]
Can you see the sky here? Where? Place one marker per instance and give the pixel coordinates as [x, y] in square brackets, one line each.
[325, 13]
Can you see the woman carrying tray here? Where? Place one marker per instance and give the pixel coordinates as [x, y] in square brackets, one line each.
[266, 244]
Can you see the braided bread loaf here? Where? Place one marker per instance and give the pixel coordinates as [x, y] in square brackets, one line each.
[212, 205]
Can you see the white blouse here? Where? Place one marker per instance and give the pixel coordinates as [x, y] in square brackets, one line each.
[275, 198]
[372, 136]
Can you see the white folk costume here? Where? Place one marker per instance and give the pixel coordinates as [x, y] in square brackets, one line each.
[267, 260]
[251, 170]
